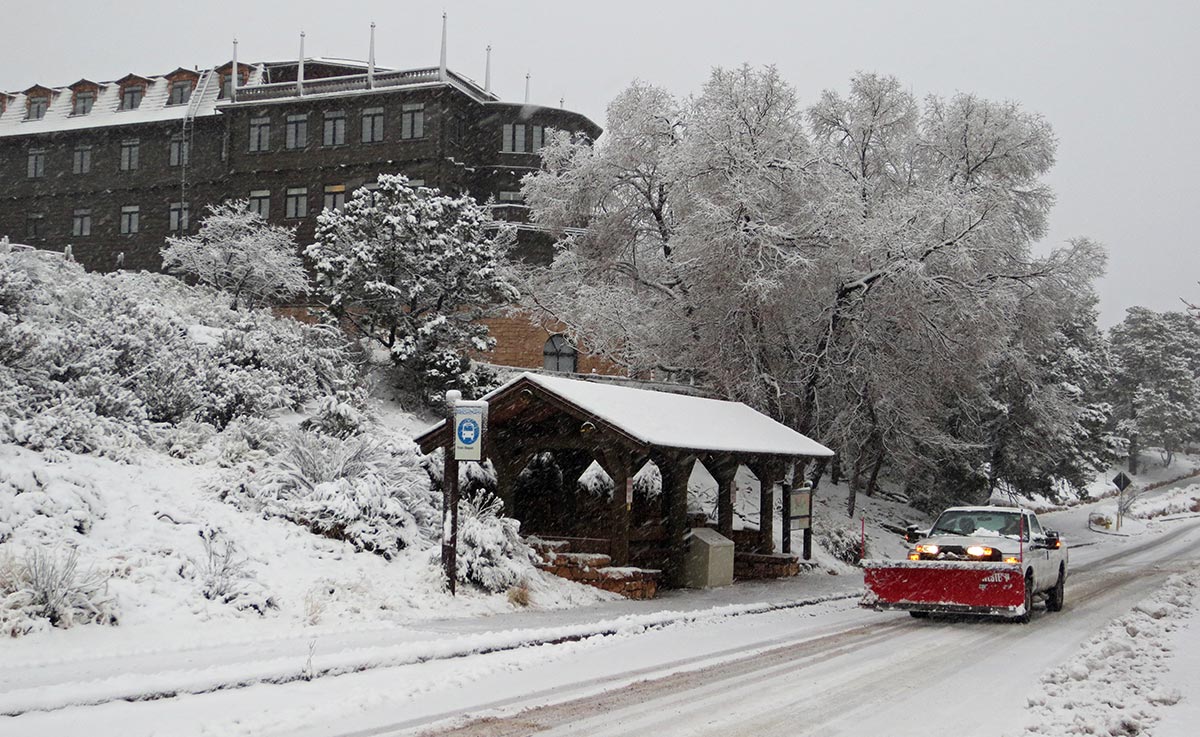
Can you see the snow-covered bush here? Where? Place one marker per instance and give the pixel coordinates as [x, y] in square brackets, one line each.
[225, 575]
[414, 269]
[334, 418]
[46, 587]
[840, 542]
[95, 363]
[45, 503]
[374, 494]
[239, 253]
[491, 553]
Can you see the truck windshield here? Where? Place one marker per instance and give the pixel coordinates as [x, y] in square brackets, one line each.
[981, 523]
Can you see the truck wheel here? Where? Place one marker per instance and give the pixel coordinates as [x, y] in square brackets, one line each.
[1028, 615]
[1054, 601]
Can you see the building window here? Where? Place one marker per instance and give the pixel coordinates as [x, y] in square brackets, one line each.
[131, 97]
[178, 217]
[35, 225]
[260, 202]
[181, 92]
[558, 355]
[129, 219]
[372, 125]
[260, 134]
[83, 103]
[514, 139]
[335, 196]
[296, 203]
[335, 129]
[296, 134]
[81, 161]
[81, 223]
[37, 163]
[129, 154]
[180, 153]
[412, 120]
[539, 138]
[227, 82]
[37, 107]
[510, 196]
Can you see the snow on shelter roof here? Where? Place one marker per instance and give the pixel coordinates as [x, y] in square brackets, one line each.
[668, 420]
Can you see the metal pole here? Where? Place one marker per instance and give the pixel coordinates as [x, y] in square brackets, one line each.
[808, 541]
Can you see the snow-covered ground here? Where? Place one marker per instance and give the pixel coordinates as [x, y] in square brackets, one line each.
[744, 658]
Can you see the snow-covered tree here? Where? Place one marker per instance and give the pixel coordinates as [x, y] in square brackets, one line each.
[414, 269]
[1156, 387]
[856, 272]
[239, 253]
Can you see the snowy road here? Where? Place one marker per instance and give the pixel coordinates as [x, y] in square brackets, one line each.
[829, 668]
[878, 674]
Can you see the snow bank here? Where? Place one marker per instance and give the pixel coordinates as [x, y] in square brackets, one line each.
[1115, 685]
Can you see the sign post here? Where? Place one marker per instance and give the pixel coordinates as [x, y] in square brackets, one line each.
[1122, 482]
[469, 425]
[800, 515]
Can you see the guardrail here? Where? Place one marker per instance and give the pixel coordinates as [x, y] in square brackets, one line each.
[331, 85]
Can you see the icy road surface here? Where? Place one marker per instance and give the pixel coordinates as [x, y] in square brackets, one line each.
[828, 668]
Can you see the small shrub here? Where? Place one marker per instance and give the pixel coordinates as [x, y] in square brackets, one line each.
[48, 587]
[225, 575]
[519, 595]
[372, 494]
[491, 553]
[843, 544]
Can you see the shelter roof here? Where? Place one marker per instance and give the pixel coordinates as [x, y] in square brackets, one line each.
[655, 418]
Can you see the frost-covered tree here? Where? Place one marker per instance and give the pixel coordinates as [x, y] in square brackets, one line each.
[414, 269]
[856, 269]
[1156, 387]
[239, 253]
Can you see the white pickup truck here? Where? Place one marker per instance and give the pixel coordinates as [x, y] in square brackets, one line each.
[974, 560]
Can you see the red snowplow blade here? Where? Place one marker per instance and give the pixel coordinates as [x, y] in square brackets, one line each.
[944, 586]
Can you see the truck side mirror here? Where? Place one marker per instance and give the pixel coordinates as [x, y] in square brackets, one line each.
[1053, 539]
[912, 534]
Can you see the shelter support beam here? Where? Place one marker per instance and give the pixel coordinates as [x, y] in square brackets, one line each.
[676, 469]
[618, 464]
[724, 471]
[768, 474]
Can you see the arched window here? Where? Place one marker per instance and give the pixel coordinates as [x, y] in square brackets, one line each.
[558, 355]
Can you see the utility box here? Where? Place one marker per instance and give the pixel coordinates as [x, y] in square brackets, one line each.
[709, 559]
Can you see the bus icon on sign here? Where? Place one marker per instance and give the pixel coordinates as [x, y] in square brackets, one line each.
[468, 431]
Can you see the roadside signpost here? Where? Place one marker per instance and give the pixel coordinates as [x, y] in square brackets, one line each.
[1122, 482]
[469, 426]
[799, 513]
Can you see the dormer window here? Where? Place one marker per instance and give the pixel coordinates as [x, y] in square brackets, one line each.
[131, 97]
[181, 92]
[227, 82]
[83, 103]
[37, 107]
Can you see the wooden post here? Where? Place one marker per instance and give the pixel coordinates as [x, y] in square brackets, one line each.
[766, 509]
[724, 471]
[450, 516]
[675, 472]
[786, 491]
[621, 471]
[808, 543]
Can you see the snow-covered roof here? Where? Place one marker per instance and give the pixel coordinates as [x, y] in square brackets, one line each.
[107, 110]
[667, 420]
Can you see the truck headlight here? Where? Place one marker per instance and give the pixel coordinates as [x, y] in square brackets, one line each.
[927, 549]
[979, 551]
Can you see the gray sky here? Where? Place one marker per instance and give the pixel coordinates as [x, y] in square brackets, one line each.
[1119, 81]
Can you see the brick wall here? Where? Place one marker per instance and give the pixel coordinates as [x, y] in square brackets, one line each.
[520, 342]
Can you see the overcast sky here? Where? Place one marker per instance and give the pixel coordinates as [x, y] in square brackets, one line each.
[1119, 81]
